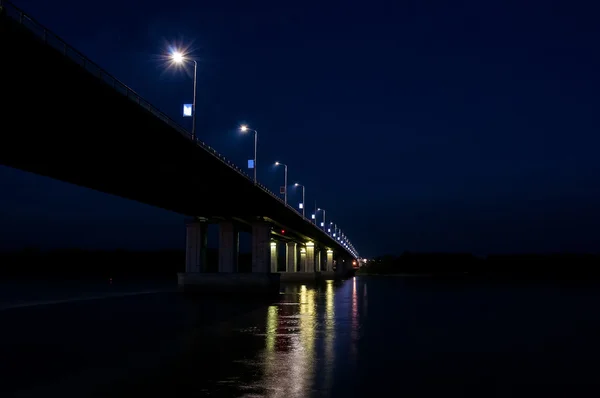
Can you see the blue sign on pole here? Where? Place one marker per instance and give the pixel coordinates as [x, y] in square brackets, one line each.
[187, 110]
[251, 163]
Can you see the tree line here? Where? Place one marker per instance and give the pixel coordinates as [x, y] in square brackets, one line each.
[560, 265]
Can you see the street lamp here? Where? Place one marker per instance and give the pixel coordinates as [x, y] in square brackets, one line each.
[303, 204]
[244, 129]
[284, 181]
[180, 58]
[322, 222]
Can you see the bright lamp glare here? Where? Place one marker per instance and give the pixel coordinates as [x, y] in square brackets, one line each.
[177, 57]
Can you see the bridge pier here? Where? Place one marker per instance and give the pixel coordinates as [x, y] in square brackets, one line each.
[228, 280]
[318, 267]
[310, 257]
[302, 267]
[261, 247]
[328, 272]
[274, 256]
[329, 261]
[306, 269]
[291, 255]
[228, 247]
[195, 248]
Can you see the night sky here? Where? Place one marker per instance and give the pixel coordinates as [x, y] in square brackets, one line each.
[418, 125]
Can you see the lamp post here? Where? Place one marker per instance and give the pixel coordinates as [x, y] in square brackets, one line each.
[284, 180]
[243, 129]
[180, 58]
[303, 204]
[322, 222]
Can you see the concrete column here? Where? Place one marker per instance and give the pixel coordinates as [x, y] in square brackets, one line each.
[302, 259]
[195, 246]
[228, 247]
[310, 257]
[261, 240]
[329, 261]
[274, 256]
[291, 257]
[318, 263]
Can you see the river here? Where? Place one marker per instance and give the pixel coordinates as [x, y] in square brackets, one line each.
[367, 336]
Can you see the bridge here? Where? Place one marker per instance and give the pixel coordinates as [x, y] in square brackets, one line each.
[64, 117]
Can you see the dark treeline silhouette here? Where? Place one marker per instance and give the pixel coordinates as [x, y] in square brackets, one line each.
[510, 265]
[79, 263]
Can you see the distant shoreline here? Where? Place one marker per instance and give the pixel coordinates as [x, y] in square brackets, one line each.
[397, 275]
[36, 303]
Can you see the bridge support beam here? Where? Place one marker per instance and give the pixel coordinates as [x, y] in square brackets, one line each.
[306, 272]
[261, 251]
[302, 267]
[328, 272]
[274, 256]
[329, 261]
[318, 260]
[291, 255]
[259, 282]
[228, 247]
[195, 247]
[310, 257]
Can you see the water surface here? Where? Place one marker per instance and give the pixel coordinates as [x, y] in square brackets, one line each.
[363, 337]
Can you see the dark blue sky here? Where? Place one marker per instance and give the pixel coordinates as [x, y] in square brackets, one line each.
[418, 125]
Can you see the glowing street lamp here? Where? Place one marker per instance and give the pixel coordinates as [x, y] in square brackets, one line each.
[322, 222]
[284, 180]
[180, 58]
[245, 129]
[302, 205]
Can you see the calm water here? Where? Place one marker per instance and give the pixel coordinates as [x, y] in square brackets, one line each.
[363, 337]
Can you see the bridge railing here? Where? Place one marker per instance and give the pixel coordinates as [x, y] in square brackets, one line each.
[94, 69]
[63, 47]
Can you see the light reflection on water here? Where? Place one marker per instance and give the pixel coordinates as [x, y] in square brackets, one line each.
[416, 337]
[300, 337]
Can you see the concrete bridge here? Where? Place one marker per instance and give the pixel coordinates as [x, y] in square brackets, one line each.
[64, 117]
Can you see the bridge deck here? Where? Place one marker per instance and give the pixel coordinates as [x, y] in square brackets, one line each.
[64, 117]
